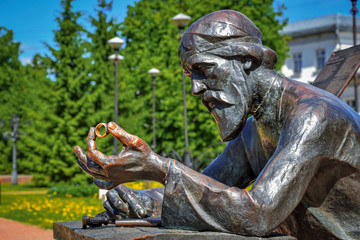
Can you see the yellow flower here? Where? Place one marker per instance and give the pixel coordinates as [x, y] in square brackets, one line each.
[248, 188]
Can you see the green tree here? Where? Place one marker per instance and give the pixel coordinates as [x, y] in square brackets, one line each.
[71, 99]
[152, 41]
[76, 98]
[12, 87]
[101, 69]
[39, 110]
[23, 89]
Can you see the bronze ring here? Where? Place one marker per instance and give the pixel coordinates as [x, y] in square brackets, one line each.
[97, 130]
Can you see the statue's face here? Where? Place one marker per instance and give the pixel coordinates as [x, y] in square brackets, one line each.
[224, 91]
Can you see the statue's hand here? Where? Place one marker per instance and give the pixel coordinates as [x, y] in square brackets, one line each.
[123, 202]
[136, 161]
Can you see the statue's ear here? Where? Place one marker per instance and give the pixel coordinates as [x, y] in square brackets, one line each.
[248, 64]
[270, 58]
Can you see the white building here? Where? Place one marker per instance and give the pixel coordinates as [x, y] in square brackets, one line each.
[312, 43]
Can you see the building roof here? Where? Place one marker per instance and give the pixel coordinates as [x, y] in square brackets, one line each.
[325, 24]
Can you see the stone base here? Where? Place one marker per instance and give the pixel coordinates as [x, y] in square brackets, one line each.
[72, 230]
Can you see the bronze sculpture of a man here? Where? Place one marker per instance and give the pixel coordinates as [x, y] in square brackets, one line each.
[302, 145]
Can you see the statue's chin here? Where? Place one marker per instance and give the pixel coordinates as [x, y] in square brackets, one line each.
[228, 130]
[230, 121]
[228, 133]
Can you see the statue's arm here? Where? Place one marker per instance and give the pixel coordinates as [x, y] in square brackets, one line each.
[194, 201]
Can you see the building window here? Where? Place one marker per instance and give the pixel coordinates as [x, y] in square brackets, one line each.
[320, 59]
[350, 102]
[297, 63]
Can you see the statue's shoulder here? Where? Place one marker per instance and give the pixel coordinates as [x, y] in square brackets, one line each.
[319, 105]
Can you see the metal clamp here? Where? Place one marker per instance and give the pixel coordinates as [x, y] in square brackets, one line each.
[94, 221]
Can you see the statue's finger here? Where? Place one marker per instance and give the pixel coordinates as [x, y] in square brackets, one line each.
[80, 154]
[128, 197]
[93, 166]
[91, 139]
[124, 137]
[85, 159]
[104, 185]
[98, 157]
[88, 162]
[110, 210]
[94, 154]
[85, 169]
[117, 202]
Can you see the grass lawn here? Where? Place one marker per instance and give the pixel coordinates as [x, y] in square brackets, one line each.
[40, 210]
[6, 187]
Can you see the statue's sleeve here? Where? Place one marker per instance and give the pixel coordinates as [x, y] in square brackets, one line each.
[195, 201]
[232, 166]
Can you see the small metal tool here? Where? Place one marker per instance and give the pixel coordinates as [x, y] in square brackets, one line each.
[94, 221]
[127, 222]
[140, 222]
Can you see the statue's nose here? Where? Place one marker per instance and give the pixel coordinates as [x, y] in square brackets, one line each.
[198, 87]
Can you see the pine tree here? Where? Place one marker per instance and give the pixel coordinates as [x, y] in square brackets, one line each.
[152, 41]
[71, 100]
[24, 92]
[12, 88]
[102, 70]
[38, 116]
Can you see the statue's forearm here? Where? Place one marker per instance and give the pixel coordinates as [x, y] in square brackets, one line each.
[194, 201]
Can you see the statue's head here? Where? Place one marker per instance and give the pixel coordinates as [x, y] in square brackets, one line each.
[219, 52]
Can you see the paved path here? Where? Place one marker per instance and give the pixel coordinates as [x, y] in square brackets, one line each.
[21, 178]
[11, 230]
[24, 192]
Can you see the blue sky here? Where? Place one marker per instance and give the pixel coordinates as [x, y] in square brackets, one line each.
[32, 21]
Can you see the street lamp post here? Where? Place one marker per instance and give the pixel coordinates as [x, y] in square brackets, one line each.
[154, 73]
[354, 11]
[15, 125]
[116, 44]
[181, 20]
[13, 136]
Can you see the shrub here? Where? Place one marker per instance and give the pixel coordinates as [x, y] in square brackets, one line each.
[68, 191]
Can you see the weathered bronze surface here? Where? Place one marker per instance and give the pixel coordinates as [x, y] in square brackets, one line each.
[301, 145]
[72, 230]
[338, 71]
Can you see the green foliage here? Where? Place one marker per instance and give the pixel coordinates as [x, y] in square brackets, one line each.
[101, 71]
[64, 190]
[80, 96]
[33, 141]
[60, 110]
[25, 187]
[71, 99]
[18, 95]
[11, 89]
